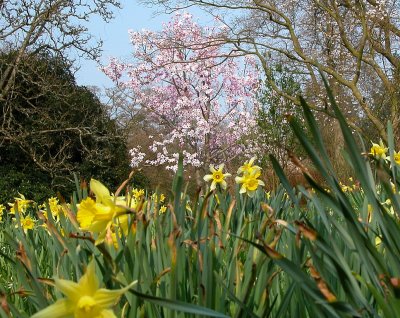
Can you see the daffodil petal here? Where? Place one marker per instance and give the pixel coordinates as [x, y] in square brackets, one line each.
[123, 222]
[101, 237]
[101, 192]
[223, 184]
[89, 282]
[107, 313]
[62, 308]
[213, 185]
[243, 189]
[251, 193]
[239, 179]
[255, 170]
[103, 212]
[107, 298]
[212, 169]
[86, 213]
[251, 161]
[68, 288]
[99, 226]
[207, 177]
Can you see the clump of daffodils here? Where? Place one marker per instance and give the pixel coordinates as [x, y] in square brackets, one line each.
[83, 299]
[379, 151]
[158, 198]
[348, 188]
[248, 175]
[217, 177]
[55, 208]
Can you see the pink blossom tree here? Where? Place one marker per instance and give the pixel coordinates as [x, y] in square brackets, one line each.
[201, 96]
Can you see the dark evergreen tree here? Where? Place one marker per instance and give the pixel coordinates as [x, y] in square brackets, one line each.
[55, 128]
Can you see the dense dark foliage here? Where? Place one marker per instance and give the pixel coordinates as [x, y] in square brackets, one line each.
[52, 128]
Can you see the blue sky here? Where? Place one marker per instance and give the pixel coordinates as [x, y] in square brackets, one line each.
[114, 34]
[115, 38]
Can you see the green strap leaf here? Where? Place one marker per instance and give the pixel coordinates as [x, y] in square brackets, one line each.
[178, 305]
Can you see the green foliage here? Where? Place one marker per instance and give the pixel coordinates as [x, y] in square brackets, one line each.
[297, 252]
[272, 116]
[349, 240]
[53, 128]
[32, 184]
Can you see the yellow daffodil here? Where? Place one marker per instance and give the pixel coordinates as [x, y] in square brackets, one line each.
[378, 241]
[370, 211]
[55, 208]
[21, 204]
[163, 209]
[389, 206]
[248, 167]
[112, 236]
[2, 209]
[138, 194]
[158, 198]
[84, 299]
[249, 182]
[346, 188]
[393, 186]
[131, 200]
[379, 150]
[98, 216]
[396, 157]
[217, 177]
[27, 223]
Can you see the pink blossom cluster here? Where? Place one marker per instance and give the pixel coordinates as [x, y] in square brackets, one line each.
[114, 70]
[202, 95]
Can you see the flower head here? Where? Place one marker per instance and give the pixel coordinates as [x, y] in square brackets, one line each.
[379, 150]
[249, 182]
[217, 177]
[55, 208]
[248, 167]
[137, 193]
[158, 198]
[396, 157]
[84, 299]
[21, 203]
[98, 216]
[27, 223]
